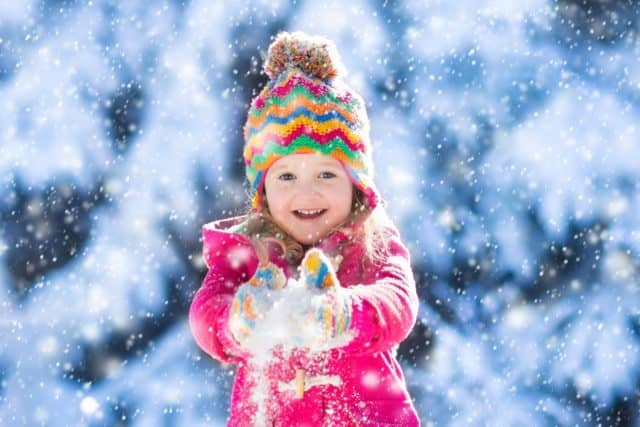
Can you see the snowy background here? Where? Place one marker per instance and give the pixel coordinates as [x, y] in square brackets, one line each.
[506, 144]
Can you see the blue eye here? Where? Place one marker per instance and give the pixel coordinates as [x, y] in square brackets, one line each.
[327, 175]
[286, 176]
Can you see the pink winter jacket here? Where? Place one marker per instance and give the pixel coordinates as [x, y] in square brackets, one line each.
[371, 390]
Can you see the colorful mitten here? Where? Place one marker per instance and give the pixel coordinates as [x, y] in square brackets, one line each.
[253, 300]
[317, 270]
[328, 316]
[269, 276]
[249, 305]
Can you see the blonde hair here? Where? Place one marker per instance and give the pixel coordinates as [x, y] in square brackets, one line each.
[371, 225]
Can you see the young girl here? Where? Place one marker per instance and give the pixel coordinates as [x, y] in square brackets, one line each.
[316, 251]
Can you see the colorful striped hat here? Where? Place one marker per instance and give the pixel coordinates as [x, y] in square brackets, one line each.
[306, 108]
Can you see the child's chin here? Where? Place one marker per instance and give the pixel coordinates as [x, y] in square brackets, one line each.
[308, 238]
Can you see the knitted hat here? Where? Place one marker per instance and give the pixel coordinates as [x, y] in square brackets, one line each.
[305, 108]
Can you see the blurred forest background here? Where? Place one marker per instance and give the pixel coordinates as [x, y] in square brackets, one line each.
[506, 143]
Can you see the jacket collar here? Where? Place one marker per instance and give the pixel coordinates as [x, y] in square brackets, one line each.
[233, 225]
[225, 225]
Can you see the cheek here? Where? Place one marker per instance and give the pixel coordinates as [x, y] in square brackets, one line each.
[346, 209]
[275, 199]
[342, 200]
[347, 199]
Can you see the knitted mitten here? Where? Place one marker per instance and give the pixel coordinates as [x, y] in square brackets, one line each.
[249, 305]
[328, 316]
[253, 300]
[269, 276]
[317, 270]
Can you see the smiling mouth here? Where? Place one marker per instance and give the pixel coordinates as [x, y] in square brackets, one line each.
[308, 213]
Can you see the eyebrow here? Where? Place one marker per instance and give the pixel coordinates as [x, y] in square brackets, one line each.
[329, 163]
[280, 166]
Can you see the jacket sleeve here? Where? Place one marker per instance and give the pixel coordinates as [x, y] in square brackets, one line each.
[208, 319]
[209, 312]
[384, 309]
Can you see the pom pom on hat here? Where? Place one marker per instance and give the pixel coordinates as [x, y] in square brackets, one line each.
[306, 108]
[313, 55]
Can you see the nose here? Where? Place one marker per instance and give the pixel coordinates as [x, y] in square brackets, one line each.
[308, 185]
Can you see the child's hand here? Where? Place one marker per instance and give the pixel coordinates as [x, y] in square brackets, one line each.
[317, 270]
[327, 316]
[253, 300]
[269, 276]
[250, 304]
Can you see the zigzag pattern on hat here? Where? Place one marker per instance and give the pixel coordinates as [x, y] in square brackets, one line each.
[293, 112]
[282, 106]
[294, 82]
[321, 132]
[285, 106]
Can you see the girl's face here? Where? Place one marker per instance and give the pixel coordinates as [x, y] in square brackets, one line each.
[308, 195]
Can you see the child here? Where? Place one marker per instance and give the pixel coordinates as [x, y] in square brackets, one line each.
[315, 222]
